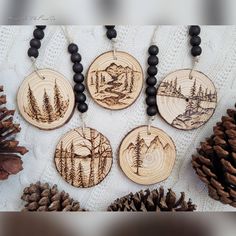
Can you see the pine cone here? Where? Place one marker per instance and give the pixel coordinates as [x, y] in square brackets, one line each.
[41, 197]
[215, 163]
[10, 163]
[154, 200]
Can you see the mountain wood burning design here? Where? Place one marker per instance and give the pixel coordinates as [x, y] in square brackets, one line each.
[186, 103]
[115, 83]
[147, 159]
[46, 103]
[83, 157]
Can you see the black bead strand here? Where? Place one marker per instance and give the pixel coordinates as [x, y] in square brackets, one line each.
[111, 32]
[79, 88]
[195, 40]
[151, 81]
[35, 43]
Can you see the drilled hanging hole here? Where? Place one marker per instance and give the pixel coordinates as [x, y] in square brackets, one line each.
[187, 99]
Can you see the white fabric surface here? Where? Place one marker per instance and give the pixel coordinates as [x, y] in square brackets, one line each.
[218, 61]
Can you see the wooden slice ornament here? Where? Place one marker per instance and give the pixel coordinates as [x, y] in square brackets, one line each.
[46, 101]
[147, 158]
[115, 80]
[186, 99]
[83, 157]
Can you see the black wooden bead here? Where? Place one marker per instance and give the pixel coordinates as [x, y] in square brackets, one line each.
[35, 43]
[78, 68]
[153, 50]
[194, 30]
[153, 60]
[110, 26]
[195, 41]
[80, 98]
[151, 100]
[151, 81]
[152, 70]
[42, 27]
[73, 48]
[111, 33]
[196, 51]
[152, 110]
[76, 57]
[151, 91]
[38, 34]
[83, 107]
[78, 78]
[79, 88]
[33, 52]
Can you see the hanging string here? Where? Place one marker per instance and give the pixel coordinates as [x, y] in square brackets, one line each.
[36, 69]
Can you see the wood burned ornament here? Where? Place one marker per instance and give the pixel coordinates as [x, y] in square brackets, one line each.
[186, 99]
[83, 157]
[147, 158]
[115, 80]
[46, 102]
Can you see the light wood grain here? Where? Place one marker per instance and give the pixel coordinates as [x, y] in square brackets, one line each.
[115, 83]
[186, 100]
[46, 103]
[83, 157]
[147, 158]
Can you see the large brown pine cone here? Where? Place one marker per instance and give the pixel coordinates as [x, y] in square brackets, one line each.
[215, 163]
[41, 197]
[154, 200]
[10, 163]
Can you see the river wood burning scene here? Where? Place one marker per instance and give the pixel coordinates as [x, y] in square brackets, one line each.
[83, 157]
[115, 84]
[187, 103]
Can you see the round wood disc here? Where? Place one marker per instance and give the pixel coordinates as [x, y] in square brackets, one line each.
[115, 82]
[186, 100]
[83, 157]
[47, 102]
[147, 158]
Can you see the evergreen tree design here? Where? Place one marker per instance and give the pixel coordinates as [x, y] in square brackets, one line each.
[81, 180]
[132, 82]
[138, 162]
[126, 85]
[58, 101]
[33, 108]
[97, 82]
[72, 159]
[61, 163]
[92, 80]
[47, 108]
[193, 89]
[92, 160]
[66, 169]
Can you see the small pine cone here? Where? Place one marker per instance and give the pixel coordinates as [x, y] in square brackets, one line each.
[10, 163]
[41, 197]
[215, 163]
[154, 200]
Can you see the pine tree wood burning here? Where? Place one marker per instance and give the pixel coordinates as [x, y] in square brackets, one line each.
[46, 103]
[115, 83]
[147, 158]
[186, 103]
[83, 157]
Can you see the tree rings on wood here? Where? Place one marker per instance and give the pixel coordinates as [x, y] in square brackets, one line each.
[83, 157]
[147, 156]
[115, 80]
[186, 99]
[46, 99]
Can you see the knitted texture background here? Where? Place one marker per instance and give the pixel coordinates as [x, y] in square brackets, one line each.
[218, 61]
